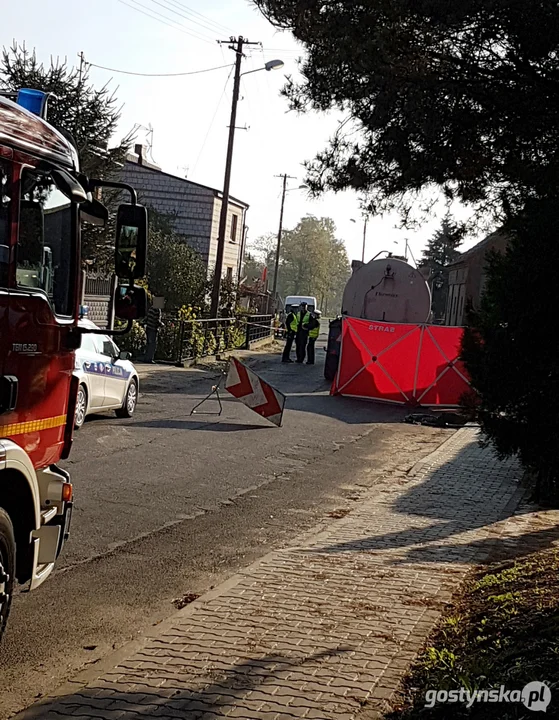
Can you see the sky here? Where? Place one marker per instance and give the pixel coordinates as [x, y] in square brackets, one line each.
[189, 115]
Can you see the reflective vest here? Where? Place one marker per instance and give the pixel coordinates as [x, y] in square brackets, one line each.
[292, 322]
[315, 332]
[301, 322]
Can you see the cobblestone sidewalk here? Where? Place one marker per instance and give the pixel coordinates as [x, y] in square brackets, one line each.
[325, 628]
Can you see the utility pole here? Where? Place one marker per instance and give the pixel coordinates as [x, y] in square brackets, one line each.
[364, 239]
[237, 46]
[80, 76]
[278, 246]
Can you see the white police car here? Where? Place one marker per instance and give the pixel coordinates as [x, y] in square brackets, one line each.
[108, 380]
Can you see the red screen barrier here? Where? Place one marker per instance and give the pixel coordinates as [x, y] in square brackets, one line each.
[407, 364]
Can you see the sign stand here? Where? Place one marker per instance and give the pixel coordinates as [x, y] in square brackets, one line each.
[213, 391]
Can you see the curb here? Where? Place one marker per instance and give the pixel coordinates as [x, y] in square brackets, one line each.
[224, 355]
[415, 469]
[192, 364]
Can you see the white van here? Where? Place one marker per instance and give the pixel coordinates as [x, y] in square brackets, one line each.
[297, 300]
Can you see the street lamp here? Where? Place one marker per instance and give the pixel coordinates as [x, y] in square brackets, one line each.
[270, 65]
[280, 230]
[364, 236]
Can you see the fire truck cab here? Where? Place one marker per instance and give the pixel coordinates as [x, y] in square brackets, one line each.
[43, 201]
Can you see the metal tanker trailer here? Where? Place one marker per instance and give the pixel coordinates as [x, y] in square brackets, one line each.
[388, 289]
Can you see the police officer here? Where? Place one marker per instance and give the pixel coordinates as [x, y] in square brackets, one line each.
[291, 332]
[302, 336]
[314, 332]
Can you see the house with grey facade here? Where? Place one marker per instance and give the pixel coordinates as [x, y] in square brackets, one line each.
[193, 210]
[467, 276]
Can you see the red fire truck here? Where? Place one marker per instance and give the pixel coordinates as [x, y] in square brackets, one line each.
[44, 199]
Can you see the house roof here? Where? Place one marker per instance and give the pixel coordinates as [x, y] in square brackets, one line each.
[481, 246]
[133, 160]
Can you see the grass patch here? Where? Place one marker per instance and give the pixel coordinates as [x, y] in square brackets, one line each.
[502, 629]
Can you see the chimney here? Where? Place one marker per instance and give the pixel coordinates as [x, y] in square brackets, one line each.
[140, 152]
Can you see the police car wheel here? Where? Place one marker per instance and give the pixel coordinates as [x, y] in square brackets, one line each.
[7, 567]
[81, 407]
[130, 401]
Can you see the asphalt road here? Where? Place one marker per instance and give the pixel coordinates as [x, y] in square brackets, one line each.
[168, 504]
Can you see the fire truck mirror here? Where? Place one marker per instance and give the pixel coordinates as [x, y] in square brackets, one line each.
[94, 212]
[130, 302]
[131, 241]
[67, 185]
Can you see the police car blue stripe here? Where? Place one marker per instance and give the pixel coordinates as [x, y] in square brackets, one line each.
[106, 369]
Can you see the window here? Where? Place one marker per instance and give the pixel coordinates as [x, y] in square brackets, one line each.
[234, 222]
[5, 199]
[229, 274]
[88, 343]
[45, 244]
[108, 347]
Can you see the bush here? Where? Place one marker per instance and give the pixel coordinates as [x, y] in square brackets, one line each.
[510, 348]
[174, 270]
[133, 342]
[167, 339]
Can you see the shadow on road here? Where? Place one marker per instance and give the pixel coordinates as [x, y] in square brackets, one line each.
[215, 691]
[211, 425]
[458, 503]
[304, 386]
[346, 410]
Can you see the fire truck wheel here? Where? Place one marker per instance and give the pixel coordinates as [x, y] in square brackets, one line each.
[7, 567]
[130, 401]
[81, 407]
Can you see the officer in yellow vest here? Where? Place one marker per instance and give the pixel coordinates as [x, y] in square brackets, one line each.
[303, 317]
[314, 332]
[291, 325]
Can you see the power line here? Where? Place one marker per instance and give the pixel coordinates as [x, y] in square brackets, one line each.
[285, 51]
[188, 31]
[179, 74]
[149, 15]
[213, 119]
[213, 25]
[176, 26]
[170, 9]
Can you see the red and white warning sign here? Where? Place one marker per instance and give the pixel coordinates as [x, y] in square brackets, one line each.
[254, 392]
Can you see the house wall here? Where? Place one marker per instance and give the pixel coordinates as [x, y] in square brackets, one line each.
[467, 278]
[194, 210]
[191, 206]
[232, 250]
[457, 294]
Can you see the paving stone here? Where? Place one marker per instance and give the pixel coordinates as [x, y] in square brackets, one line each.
[315, 630]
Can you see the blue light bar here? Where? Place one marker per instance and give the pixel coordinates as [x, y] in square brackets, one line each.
[33, 100]
[84, 311]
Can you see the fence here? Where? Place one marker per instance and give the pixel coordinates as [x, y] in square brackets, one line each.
[258, 327]
[97, 296]
[181, 340]
[98, 286]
